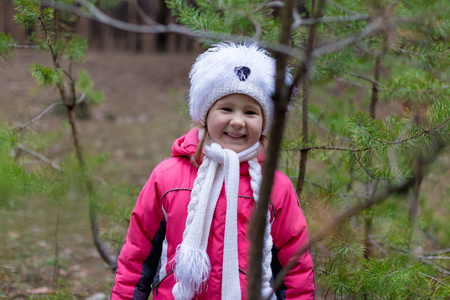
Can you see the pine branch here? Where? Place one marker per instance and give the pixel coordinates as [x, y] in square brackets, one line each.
[423, 132]
[325, 148]
[333, 47]
[387, 90]
[429, 155]
[48, 40]
[423, 257]
[417, 90]
[371, 175]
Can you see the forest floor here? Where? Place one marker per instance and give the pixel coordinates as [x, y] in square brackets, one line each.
[145, 94]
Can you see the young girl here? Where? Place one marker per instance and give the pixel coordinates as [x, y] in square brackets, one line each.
[188, 234]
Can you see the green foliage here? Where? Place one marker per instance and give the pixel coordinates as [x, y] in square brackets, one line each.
[387, 277]
[9, 171]
[15, 179]
[236, 17]
[45, 76]
[438, 114]
[346, 245]
[85, 85]
[76, 48]
[6, 45]
[28, 12]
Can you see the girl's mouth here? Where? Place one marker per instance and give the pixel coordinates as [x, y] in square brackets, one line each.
[235, 135]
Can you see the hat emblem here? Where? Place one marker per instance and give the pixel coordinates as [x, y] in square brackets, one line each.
[242, 72]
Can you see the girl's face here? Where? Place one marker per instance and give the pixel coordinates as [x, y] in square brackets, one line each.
[235, 122]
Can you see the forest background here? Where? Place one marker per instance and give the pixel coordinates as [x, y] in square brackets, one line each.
[365, 140]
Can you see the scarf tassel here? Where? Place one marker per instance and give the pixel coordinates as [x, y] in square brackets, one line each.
[191, 271]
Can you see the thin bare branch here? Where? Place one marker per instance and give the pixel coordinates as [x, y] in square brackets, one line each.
[144, 16]
[45, 111]
[437, 252]
[40, 115]
[351, 18]
[431, 277]
[333, 47]
[371, 80]
[25, 46]
[353, 83]
[275, 4]
[90, 11]
[426, 261]
[40, 156]
[436, 257]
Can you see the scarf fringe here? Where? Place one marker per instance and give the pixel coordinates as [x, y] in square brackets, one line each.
[191, 271]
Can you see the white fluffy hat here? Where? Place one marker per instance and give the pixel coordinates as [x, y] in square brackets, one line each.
[229, 68]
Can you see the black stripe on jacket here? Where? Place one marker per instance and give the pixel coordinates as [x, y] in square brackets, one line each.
[150, 264]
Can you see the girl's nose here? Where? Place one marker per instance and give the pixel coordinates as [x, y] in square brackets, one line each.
[237, 121]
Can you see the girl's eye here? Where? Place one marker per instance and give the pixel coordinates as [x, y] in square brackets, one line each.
[250, 112]
[226, 109]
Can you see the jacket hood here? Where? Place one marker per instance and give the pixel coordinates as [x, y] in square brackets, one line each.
[186, 145]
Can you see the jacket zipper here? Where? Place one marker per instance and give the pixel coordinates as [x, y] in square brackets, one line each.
[155, 288]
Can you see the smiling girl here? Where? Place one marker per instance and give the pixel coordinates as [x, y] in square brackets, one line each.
[188, 234]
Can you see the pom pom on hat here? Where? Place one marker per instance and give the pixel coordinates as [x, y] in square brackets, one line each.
[229, 68]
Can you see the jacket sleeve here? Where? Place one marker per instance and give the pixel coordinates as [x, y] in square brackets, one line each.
[290, 233]
[139, 257]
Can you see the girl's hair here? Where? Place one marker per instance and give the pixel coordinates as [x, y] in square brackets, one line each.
[198, 152]
[201, 143]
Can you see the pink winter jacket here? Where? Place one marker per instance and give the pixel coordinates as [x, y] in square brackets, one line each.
[158, 221]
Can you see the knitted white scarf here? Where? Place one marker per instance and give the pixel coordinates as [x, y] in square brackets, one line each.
[192, 264]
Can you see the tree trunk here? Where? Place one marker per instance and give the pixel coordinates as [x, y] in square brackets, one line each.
[121, 36]
[281, 101]
[96, 36]
[163, 14]
[305, 128]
